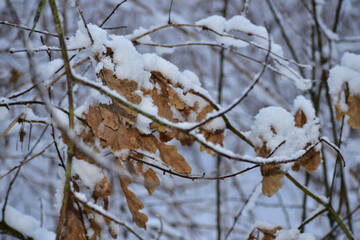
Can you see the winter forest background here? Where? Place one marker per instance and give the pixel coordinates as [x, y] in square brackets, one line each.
[179, 119]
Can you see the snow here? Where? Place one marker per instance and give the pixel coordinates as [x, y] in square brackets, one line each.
[27, 225]
[142, 122]
[273, 125]
[52, 67]
[138, 32]
[293, 234]
[345, 74]
[215, 22]
[128, 62]
[348, 72]
[89, 173]
[164, 50]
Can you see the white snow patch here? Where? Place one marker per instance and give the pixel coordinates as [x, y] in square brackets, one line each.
[142, 122]
[273, 125]
[27, 225]
[52, 67]
[215, 22]
[293, 234]
[88, 173]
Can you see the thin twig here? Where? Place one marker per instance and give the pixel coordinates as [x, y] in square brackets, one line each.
[113, 11]
[169, 20]
[240, 212]
[84, 22]
[27, 29]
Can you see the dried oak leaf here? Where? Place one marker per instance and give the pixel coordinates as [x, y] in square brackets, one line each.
[151, 179]
[127, 89]
[175, 99]
[171, 157]
[124, 87]
[73, 228]
[121, 138]
[354, 112]
[216, 137]
[272, 174]
[300, 118]
[310, 161]
[353, 108]
[102, 190]
[268, 233]
[133, 202]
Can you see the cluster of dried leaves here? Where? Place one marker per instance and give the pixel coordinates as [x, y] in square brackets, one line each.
[115, 126]
[272, 173]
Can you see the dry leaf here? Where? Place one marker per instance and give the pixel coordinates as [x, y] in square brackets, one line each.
[300, 118]
[216, 137]
[353, 108]
[73, 228]
[272, 174]
[175, 100]
[309, 161]
[133, 202]
[184, 138]
[202, 115]
[125, 87]
[102, 190]
[171, 157]
[268, 234]
[151, 179]
[354, 112]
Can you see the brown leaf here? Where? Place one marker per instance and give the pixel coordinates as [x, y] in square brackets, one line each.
[309, 161]
[175, 100]
[73, 228]
[149, 143]
[300, 118]
[272, 174]
[166, 136]
[102, 190]
[133, 202]
[269, 234]
[151, 179]
[160, 97]
[109, 118]
[171, 157]
[216, 137]
[184, 138]
[125, 87]
[204, 112]
[123, 138]
[354, 112]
